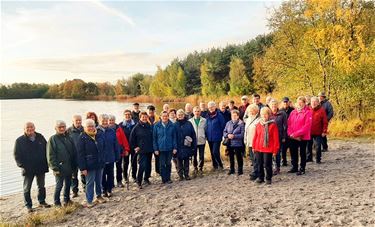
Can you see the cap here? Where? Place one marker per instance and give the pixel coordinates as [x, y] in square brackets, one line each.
[322, 93]
[244, 97]
[285, 99]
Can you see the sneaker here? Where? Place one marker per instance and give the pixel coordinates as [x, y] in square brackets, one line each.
[324, 150]
[147, 182]
[285, 164]
[300, 172]
[120, 185]
[187, 178]
[292, 171]
[44, 205]
[169, 182]
[139, 185]
[239, 173]
[109, 194]
[253, 178]
[259, 181]
[181, 178]
[57, 205]
[268, 181]
[67, 203]
[88, 205]
[105, 194]
[230, 172]
[276, 171]
[75, 195]
[318, 162]
[100, 199]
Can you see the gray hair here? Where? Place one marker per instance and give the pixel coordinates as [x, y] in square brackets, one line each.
[29, 123]
[252, 107]
[75, 116]
[236, 112]
[60, 122]
[222, 103]
[274, 101]
[111, 117]
[88, 122]
[103, 116]
[211, 104]
[315, 98]
[180, 111]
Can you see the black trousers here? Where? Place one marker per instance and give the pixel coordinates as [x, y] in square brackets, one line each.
[325, 143]
[199, 151]
[298, 151]
[119, 170]
[130, 160]
[264, 161]
[183, 167]
[144, 170]
[238, 152]
[74, 181]
[284, 150]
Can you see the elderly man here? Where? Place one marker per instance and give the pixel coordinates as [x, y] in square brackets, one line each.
[61, 152]
[30, 156]
[329, 111]
[244, 104]
[74, 132]
[224, 111]
[204, 110]
[135, 112]
[189, 111]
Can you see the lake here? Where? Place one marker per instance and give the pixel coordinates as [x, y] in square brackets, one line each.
[44, 113]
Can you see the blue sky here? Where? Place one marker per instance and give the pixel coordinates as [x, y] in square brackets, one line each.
[48, 42]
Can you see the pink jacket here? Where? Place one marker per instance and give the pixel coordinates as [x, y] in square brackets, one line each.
[299, 123]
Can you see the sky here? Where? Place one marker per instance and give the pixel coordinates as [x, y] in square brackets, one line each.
[53, 41]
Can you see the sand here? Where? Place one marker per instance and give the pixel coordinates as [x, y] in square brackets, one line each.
[338, 192]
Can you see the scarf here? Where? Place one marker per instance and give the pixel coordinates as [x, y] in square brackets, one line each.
[266, 132]
[212, 114]
[91, 134]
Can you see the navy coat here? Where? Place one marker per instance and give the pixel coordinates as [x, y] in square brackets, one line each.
[91, 152]
[164, 138]
[215, 127]
[111, 146]
[185, 128]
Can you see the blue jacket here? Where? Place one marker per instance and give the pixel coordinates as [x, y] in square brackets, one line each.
[185, 128]
[215, 127]
[90, 152]
[164, 138]
[238, 130]
[111, 146]
[227, 115]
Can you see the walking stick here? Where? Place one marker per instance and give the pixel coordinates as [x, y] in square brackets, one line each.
[130, 170]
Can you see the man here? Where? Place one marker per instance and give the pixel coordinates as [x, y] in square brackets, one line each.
[165, 144]
[256, 100]
[204, 110]
[135, 112]
[141, 141]
[244, 104]
[319, 127]
[30, 156]
[62, 159]
[232, 106]
[127, 126]
[224, 111]
[153, 119]
[74, 132]
[189, 111]
[287, 109]
[329, 111]
[166, 107]
[199, 124]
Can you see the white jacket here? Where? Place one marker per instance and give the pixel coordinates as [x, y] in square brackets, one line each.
[200, 130]
[250, 124]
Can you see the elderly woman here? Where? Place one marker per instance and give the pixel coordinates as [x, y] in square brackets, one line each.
[61, 152]
[299, 130]
[30, 155]
[186, 144]
[111, 154]
[91, 161]
[165, 144]
[92, 116]
[200, 125]
[265, 144]
[252, 112]
[281, 121]
[215, 127]
[234, 133]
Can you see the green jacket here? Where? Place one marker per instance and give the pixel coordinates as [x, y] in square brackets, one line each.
[61, 153]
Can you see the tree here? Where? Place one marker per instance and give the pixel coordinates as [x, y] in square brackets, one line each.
[239, 83]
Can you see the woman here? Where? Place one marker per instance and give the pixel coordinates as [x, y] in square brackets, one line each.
[265, 144]
[91, 161]
[186, 144]
[281, 121]
[165, 144]
[215, 127]
[61, 152]
[252, 112]
[234, 131]
[172, 115]
[93, 116]
[299, 129]
[111, 154]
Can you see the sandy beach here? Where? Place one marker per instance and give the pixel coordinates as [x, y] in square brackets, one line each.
[338, 192]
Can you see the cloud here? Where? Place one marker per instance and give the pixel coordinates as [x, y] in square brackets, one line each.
[113, 12]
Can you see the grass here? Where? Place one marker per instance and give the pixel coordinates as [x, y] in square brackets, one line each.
[352, 128]
[47, 216]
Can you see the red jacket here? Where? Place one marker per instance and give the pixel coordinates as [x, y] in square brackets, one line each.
[273, 144]
[123, 141]
[319, 121]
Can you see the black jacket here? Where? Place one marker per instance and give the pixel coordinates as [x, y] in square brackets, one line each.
[31, 156]
[141, 136]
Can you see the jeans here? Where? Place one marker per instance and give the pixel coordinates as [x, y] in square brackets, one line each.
[215, 154]
[199, 151]
[298, 148]
[83, 182]
[60, 182]
[183, 167]
[74, 185]
[264, 162]
[27, 183]
[165, 161]
[108, 177]
[144, 169]
[254, 162]
[238, 152]
[317, 141]
[93, 177]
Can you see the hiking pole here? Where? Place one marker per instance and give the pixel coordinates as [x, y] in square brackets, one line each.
[130, 170]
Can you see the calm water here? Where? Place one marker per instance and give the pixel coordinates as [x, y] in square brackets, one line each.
[44, 113]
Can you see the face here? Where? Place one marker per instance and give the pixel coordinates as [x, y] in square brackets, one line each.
[90, 128]
[321, 98]
[253, 112]
[256, 100]
[314, 103]
[231, 105]
[166, 107]
[197, 112]
[180, 116]
[202, 105]
[235, 117]
[285, 104]
[164, 117]
[104, 122]
[92, 117]
[29, 129]
[222, 107]
[212, 108]
[136, 108]
[188, 108]
[127, 116]
[144, 118]
[265, 116]
[60, 129]
[77, 122]
[172, 115]
[111, 122]
[244, 101]
[301, 103]
[274, 107]
[151, 113]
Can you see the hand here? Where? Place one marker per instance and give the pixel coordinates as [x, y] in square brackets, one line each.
[56, 173]
[174, 151]
[126, 153]
[283, 140]
[137, 149]
[157, 152]
[84, 172]
[324, 134]
[230, 136]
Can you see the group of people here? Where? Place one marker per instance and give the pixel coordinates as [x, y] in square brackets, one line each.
[96, 146]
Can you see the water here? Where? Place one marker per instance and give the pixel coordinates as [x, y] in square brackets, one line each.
[44, 113]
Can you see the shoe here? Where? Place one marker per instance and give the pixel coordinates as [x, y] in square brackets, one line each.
[120, 185]
[105, 194]
[309, 160]
[318, 162]
[88, 205]
[57, 205]
[187, 178]
[109, 194]
[44, 205]
[67, 203]
[29, 209]
[253, 178]
[324, 150]
[139, 186]
[230, 172]
[75, 195]
[181, 178]
[285, 164]
[259, 181]
[239, 173]
[268, 181]
[292, 171]
[300, 172]
[147, 182]
[276, 171]
[100, 199]
[169, 182]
